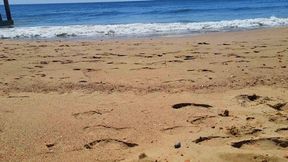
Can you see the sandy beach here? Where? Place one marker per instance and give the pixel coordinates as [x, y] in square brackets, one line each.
[217, 97]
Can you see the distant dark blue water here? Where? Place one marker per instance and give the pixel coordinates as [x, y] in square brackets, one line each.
[143, 18]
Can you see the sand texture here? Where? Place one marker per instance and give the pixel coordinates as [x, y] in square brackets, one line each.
[215, 97]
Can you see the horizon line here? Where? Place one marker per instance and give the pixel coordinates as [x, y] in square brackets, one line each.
[112, 1]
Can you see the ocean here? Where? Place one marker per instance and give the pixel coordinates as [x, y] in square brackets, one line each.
[142, 18]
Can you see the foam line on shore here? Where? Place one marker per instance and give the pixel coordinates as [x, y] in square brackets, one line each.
[138, 29]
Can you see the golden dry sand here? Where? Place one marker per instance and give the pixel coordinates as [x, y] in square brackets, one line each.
[215, 97]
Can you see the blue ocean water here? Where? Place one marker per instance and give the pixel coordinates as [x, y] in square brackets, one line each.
[143, 18]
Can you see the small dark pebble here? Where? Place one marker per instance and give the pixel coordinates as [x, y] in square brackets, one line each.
[177, 145]
[226, 113]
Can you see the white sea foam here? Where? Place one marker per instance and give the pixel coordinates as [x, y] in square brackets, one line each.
[138, 29]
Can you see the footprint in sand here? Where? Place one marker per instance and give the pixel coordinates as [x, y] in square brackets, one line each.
[203, 43]
[50, 145]
[243, 130]
[186, 57]
[262, 143]
[178, 129]
[43, 62]
[10, 59]
[200, 119]
[213, 139]
[279, 106]
[91, 70]
[110, 143]
[254, 100]
[66, 62]
[282, 130]
[278, 118]
[144, 68]
[179, 80]
[3, 56]
[38, 66]
[241, 157]
[205, 70]
[100, 126]
[89, 114]
[109, 131]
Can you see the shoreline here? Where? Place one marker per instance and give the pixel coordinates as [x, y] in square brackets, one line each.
[145, 38]
[160, 99]
[138, 30]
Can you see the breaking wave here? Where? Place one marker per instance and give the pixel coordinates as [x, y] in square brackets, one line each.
[138, 29]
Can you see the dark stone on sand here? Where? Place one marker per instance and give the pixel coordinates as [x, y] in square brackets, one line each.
[225, 113]
[177, 145]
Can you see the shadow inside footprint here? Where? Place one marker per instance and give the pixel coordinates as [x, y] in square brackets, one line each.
[278, 106]
[121, 143]
[182, 105]
[253, 97]
[202, 139]
[50, 145]
[281, 129]
[199, 119]
[278, 142]
[247, 99]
